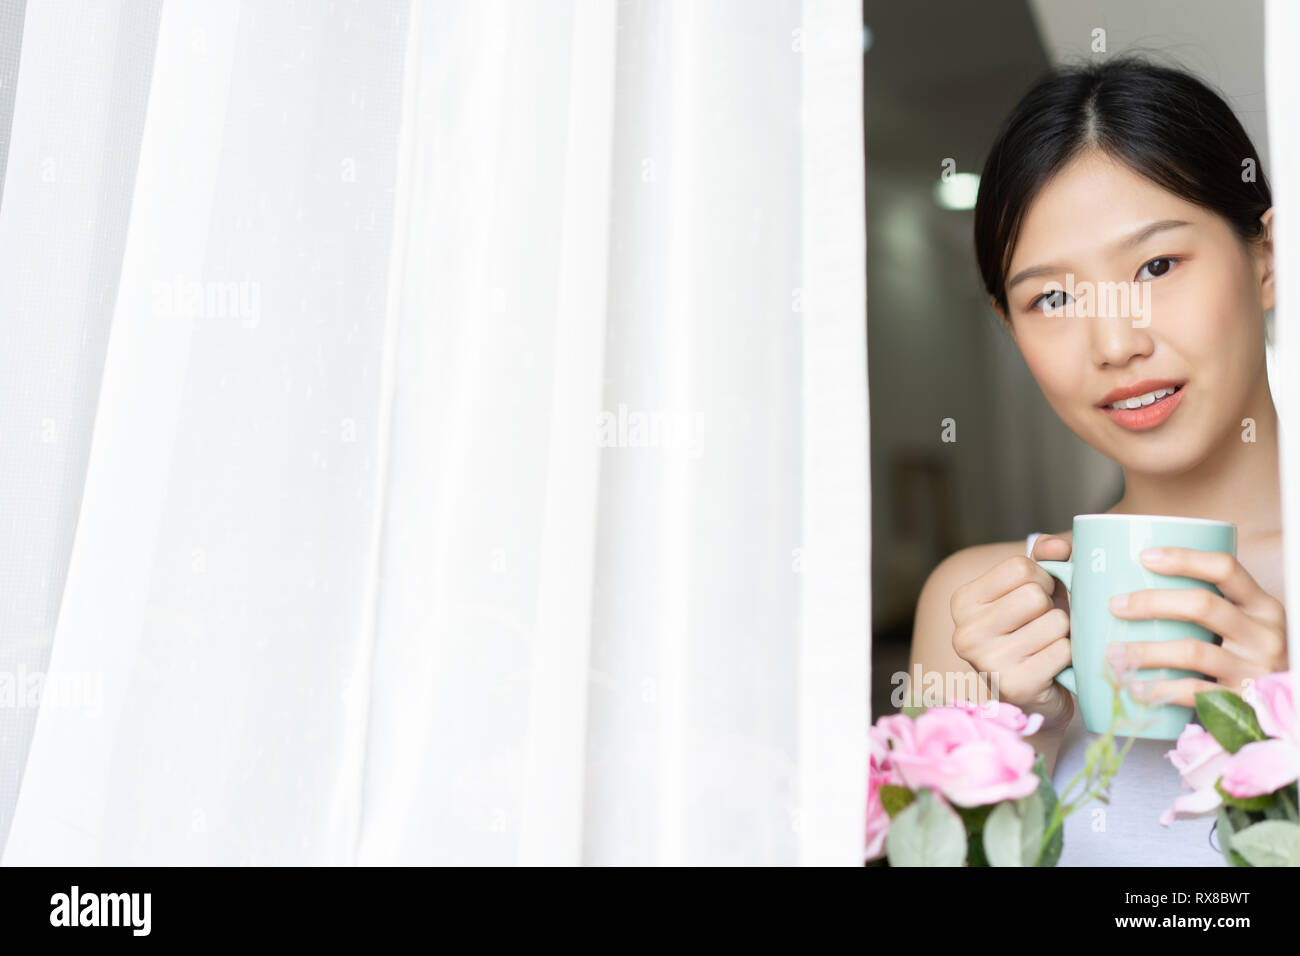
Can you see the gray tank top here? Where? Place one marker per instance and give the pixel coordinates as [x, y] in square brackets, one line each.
[1127, 831]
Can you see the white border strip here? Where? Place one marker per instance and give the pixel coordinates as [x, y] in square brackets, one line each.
[834, 692]
[1282, 80]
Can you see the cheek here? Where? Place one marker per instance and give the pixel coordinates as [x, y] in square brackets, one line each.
[1058, 367]
[1209, 321]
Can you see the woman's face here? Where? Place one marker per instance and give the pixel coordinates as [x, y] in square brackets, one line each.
[1167, 318]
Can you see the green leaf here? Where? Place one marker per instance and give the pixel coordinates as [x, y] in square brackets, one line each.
[894, 798]
[1226, 831]
[1275, 811]
[1240, 818]
[1270, 843]
[1228, 718]
[912, 711]
[1288, 799]
[973, 818]
[1014, 832]
[926, 833]
[1262, 802]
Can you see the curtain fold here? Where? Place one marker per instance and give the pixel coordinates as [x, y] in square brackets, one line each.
[77, 77]
[475, 748]
[479, 469]
[1282, 76]
[216, 580]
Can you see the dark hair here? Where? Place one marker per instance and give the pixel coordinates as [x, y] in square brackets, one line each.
[1161, 122]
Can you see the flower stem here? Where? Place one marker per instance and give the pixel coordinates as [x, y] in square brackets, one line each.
[1284, 795]
[1101, 763]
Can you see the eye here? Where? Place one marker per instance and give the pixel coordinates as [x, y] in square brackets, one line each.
[1166, 263]
[1054, 299]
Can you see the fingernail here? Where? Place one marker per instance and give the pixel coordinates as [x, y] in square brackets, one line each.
[1137, 688]
[1155, 555]
[1117, 656]
[1119, 602]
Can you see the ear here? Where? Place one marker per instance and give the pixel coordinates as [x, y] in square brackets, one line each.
[1264, 267]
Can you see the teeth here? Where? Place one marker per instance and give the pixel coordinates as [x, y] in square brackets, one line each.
[1138, 401]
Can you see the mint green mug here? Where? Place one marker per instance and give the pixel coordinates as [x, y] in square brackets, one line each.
[1103, 563]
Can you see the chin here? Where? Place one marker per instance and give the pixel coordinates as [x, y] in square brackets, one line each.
[1168, 465]
[1168, 454]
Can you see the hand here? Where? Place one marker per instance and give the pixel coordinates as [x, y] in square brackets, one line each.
[1250, 621]
[1007, 626]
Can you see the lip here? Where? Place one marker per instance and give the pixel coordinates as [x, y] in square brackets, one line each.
[1146, 416]
[1140, 388]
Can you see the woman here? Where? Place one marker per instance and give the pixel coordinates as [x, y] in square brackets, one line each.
[1129, 172]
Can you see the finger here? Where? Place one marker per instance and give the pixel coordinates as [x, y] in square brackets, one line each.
[1051, 547]
[1181, 692]
[1033, 680]
[1052, 659]
[1217, 567]
[1013, 610]
[1037, 635]
[1000, 580]
[1032, 655]
[1186, 654]
[1198, 605]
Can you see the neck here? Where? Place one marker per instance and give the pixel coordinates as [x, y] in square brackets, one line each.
[1237, 482]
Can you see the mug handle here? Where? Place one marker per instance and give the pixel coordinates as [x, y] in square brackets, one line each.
[1062, 571]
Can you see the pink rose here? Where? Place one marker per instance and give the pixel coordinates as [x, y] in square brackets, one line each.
[894, 727]
[1261, 767]
[1008, 715]
[1200, 761]
[1198, 757]
[1271, 698]
[970, 759]
[1256, 769]
[1267, 765]
[877, 818]
[882, 773]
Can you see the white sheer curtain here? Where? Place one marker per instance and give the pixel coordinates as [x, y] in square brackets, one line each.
[1282, 74]
[478, 473]
[69, 147]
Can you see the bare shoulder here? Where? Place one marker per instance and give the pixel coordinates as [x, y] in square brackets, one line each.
[933, 627]
[969, 563]
[966, 565]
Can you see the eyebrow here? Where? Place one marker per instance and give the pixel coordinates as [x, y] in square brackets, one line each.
[1146, 232]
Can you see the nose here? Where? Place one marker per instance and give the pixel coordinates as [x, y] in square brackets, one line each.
[1119, 335]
